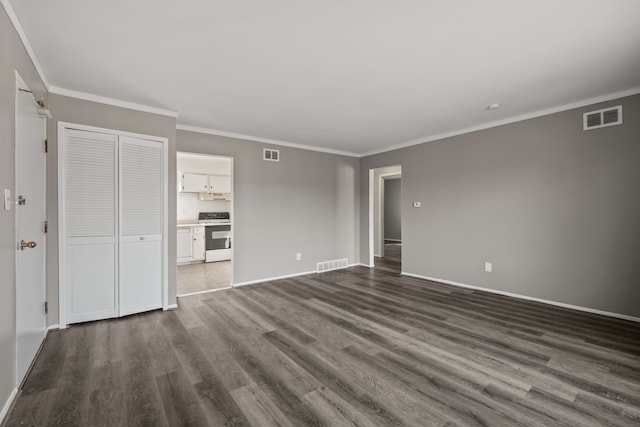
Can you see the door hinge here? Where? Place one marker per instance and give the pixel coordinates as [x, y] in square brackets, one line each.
[46, 226]
[46, 307]
[46, 145]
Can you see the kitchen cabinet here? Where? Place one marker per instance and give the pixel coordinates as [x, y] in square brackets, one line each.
[198, 248]
[185, 245]
[193, 183]
[191, 244]
[219, 184]
[199, 183]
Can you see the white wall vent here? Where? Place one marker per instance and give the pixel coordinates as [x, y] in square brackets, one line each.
[336, 264]
[602, 118]
[271, 155]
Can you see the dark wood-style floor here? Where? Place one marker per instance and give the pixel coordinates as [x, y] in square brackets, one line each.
[392, 260]
[358, 347]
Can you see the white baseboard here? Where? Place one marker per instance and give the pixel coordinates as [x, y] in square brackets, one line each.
[288, 276]
[269, 279]
[52, 327]
[7, 405]
[203, 292]
[362, 264]
[524, 297]
[170, 307]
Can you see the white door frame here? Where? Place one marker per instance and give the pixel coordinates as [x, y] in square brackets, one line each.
[231, 214]
[62, 288]
[21, 85]
[372, 207]
[381, 199]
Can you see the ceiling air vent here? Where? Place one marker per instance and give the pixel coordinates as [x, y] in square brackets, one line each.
[271, 155]
[602, 118]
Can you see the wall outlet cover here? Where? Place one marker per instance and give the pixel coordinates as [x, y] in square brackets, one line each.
[488, 267]
[417, 204]
[298, 256]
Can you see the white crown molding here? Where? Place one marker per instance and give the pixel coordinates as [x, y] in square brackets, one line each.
[524, 297]
[25, 42]
[540, 113]
[265, 140]
[111, 101]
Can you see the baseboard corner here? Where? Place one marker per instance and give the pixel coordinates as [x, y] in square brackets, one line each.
[8, 404]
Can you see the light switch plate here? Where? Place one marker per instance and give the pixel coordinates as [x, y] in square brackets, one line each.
[7, 199]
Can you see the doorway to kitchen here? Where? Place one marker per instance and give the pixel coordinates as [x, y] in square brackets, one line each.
[204, 223]
[385, 208]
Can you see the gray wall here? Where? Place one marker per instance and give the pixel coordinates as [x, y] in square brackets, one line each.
[307, 202]
[392, 208]
[78, 111]
[554, 208]
[13, 57]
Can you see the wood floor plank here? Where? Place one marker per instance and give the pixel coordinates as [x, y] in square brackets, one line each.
[259, 408]
[334, 410]
[352, 347]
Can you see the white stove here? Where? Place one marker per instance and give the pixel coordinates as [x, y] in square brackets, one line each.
[217, 232]
[214, 218]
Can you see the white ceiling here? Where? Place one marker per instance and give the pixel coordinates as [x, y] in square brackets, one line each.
[350, 75]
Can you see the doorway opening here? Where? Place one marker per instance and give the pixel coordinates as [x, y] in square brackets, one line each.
[204, 223]
[385, 213]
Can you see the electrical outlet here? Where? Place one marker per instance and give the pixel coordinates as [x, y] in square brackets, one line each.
[488, 267]
[417, 204]
[7, 199]
[298, 256]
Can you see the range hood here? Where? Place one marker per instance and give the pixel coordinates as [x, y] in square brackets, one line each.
[214, 196]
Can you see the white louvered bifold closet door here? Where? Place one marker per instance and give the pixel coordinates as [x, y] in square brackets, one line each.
[141, 225]
[90, 224]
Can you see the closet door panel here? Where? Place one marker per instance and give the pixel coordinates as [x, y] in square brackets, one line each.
[91, 281]
[141, 274]
[90, 184]
[90, 225]
[141, 223]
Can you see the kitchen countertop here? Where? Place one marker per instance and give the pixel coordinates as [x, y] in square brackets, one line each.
[184, 224]
[189, 223]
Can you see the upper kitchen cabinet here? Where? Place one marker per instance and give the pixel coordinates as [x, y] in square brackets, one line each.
[200, 183]
[193, 183]
[219, 184]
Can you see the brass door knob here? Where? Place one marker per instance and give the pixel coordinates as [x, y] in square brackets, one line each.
[24, 244]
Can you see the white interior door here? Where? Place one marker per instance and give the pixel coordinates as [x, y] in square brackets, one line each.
[89, 232]
[30, 217]
[112, 189]
[141, 224]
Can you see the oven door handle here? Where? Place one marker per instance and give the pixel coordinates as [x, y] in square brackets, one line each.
[220, 235]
